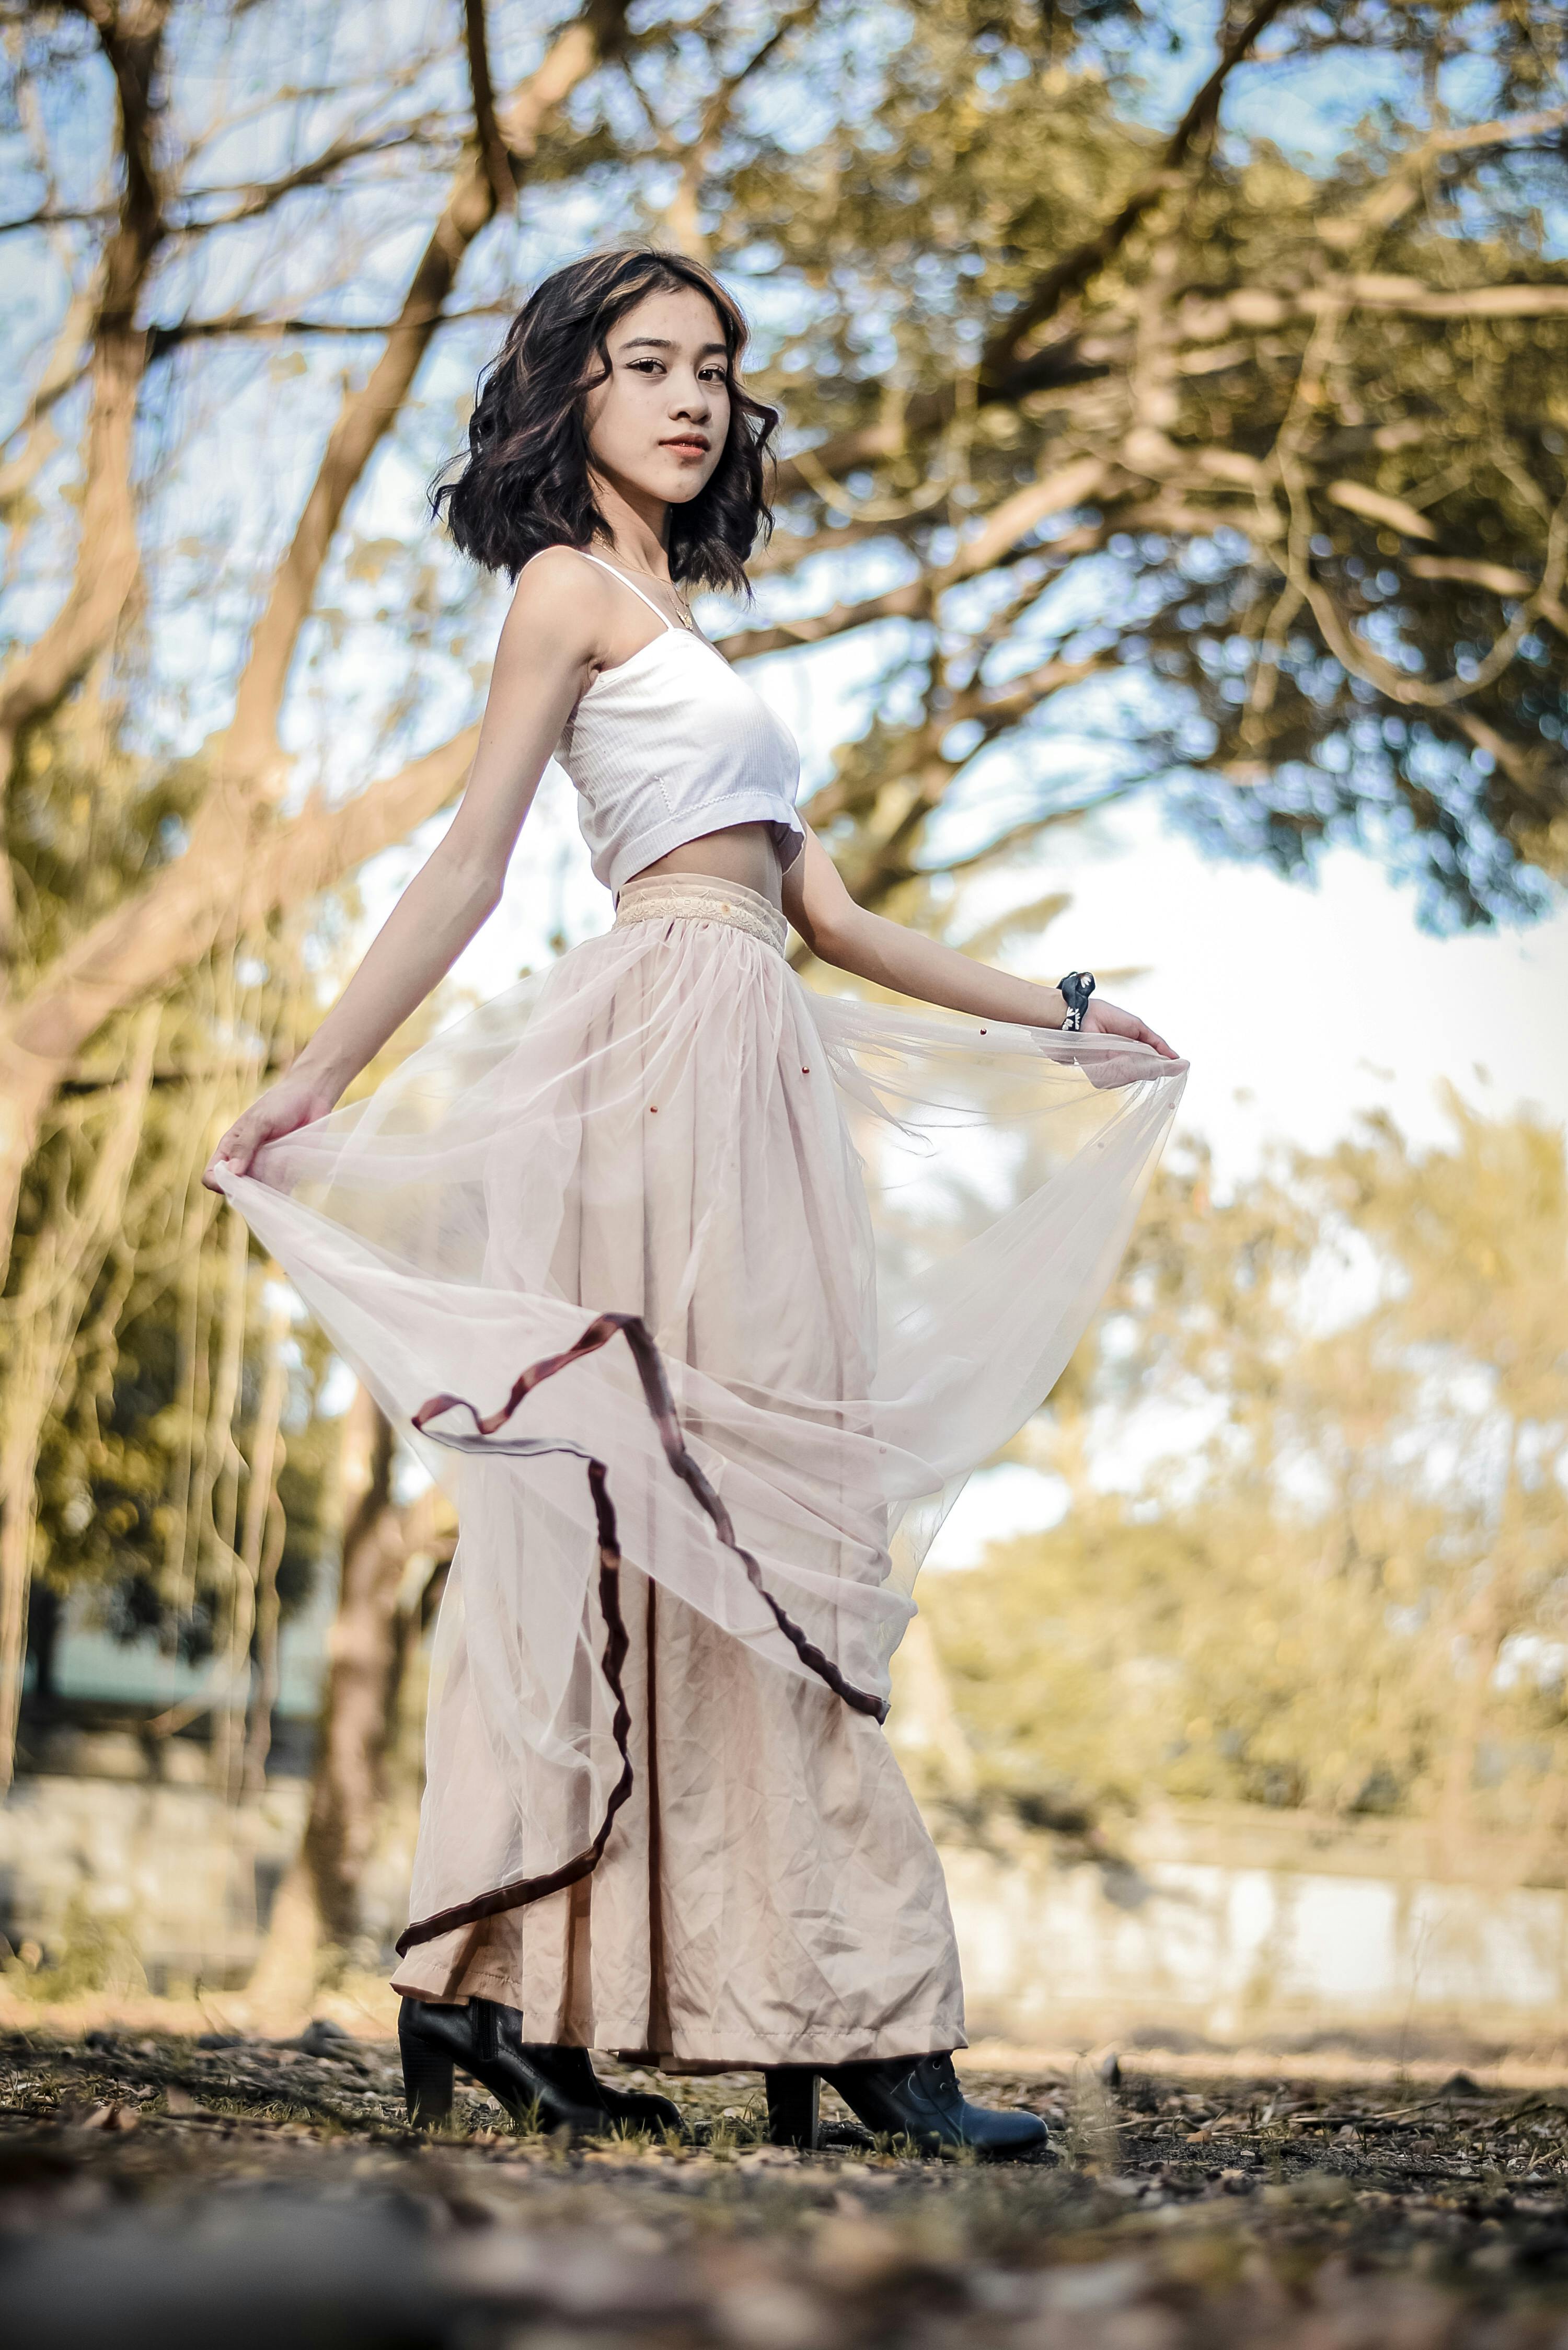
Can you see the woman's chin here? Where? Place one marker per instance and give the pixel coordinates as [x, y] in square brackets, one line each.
[679, 485]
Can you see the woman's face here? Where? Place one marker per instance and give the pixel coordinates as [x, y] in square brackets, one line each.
[656, 425]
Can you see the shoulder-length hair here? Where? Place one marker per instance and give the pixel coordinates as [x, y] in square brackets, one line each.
[526, 484]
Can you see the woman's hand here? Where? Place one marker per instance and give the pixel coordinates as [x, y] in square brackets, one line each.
[1107, 1071]
[294, 1101]
[1110, 1020]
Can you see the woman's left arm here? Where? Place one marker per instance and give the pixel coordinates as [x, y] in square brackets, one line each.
[842, 933]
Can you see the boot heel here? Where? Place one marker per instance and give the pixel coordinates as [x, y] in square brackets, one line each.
[426, 2081]
[793, 2091]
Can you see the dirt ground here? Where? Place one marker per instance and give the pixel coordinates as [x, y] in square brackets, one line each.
[158, 2191]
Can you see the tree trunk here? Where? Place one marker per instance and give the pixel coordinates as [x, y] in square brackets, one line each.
[45, 1620]
[67, 1256]
[253, 1617]
[346, 1796]
[319, 1914]
[263, 1701]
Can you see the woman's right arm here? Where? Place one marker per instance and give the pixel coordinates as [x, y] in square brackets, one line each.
[839, 932]
[549, 647]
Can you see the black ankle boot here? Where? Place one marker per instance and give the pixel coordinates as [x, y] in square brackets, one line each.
[555, 2086]
[571, 2072]
[792, 2092]
[919, 2098]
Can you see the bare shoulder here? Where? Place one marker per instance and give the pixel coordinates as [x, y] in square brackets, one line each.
[560, 580]
[559, 607]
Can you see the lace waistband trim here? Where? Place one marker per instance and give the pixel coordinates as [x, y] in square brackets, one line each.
[691, 898]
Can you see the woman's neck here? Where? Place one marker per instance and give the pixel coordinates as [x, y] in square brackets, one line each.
[634, 527]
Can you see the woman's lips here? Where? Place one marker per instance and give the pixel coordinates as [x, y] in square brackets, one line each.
[686, 448]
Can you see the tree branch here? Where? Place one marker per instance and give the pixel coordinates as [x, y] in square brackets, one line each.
[1006, 379]
[62, 369]
[1498, 577]
[1012, 521]
[681, 213]
[918, 753]
[1413, 300]
[1073, 272]
[108, 561]
[162, 339]
[492, 146]
[367, 414]
[259, 201]
[231, 879]
[1259, 308]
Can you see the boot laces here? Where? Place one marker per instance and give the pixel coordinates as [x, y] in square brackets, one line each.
[935, 2081]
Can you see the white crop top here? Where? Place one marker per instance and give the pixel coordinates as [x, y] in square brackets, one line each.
[672, 744]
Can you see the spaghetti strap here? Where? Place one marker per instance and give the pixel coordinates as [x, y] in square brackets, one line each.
[625, 582]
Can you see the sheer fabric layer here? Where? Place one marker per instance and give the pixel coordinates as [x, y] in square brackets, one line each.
[865, 1241]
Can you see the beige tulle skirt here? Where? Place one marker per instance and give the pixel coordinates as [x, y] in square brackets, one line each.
[703, 1294]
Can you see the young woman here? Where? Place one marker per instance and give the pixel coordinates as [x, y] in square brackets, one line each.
[703, 1292]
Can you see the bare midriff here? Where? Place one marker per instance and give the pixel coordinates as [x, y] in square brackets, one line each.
[742, 853]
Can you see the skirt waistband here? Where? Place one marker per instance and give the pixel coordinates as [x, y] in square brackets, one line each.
[700, 898]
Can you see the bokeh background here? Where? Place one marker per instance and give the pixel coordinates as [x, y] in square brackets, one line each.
[1169, 580]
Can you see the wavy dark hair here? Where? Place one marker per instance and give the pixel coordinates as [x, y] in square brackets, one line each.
[525, 483]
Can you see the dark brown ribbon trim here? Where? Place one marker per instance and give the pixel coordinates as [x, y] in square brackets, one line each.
[661, 1409]
[534, 1888]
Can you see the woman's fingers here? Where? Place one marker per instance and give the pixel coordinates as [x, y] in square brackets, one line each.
[283, 1110]
[231, 1154]
[1113, 1020]
[237, 1148]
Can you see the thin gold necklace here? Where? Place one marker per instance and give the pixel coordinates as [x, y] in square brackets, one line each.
[687, 621]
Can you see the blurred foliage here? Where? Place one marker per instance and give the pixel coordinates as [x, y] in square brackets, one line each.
[1317, 576]
[96, 1954]
[141, 1398]
[1341, 1582]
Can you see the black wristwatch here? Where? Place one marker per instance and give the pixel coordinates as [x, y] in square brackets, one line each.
[1075, 991]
